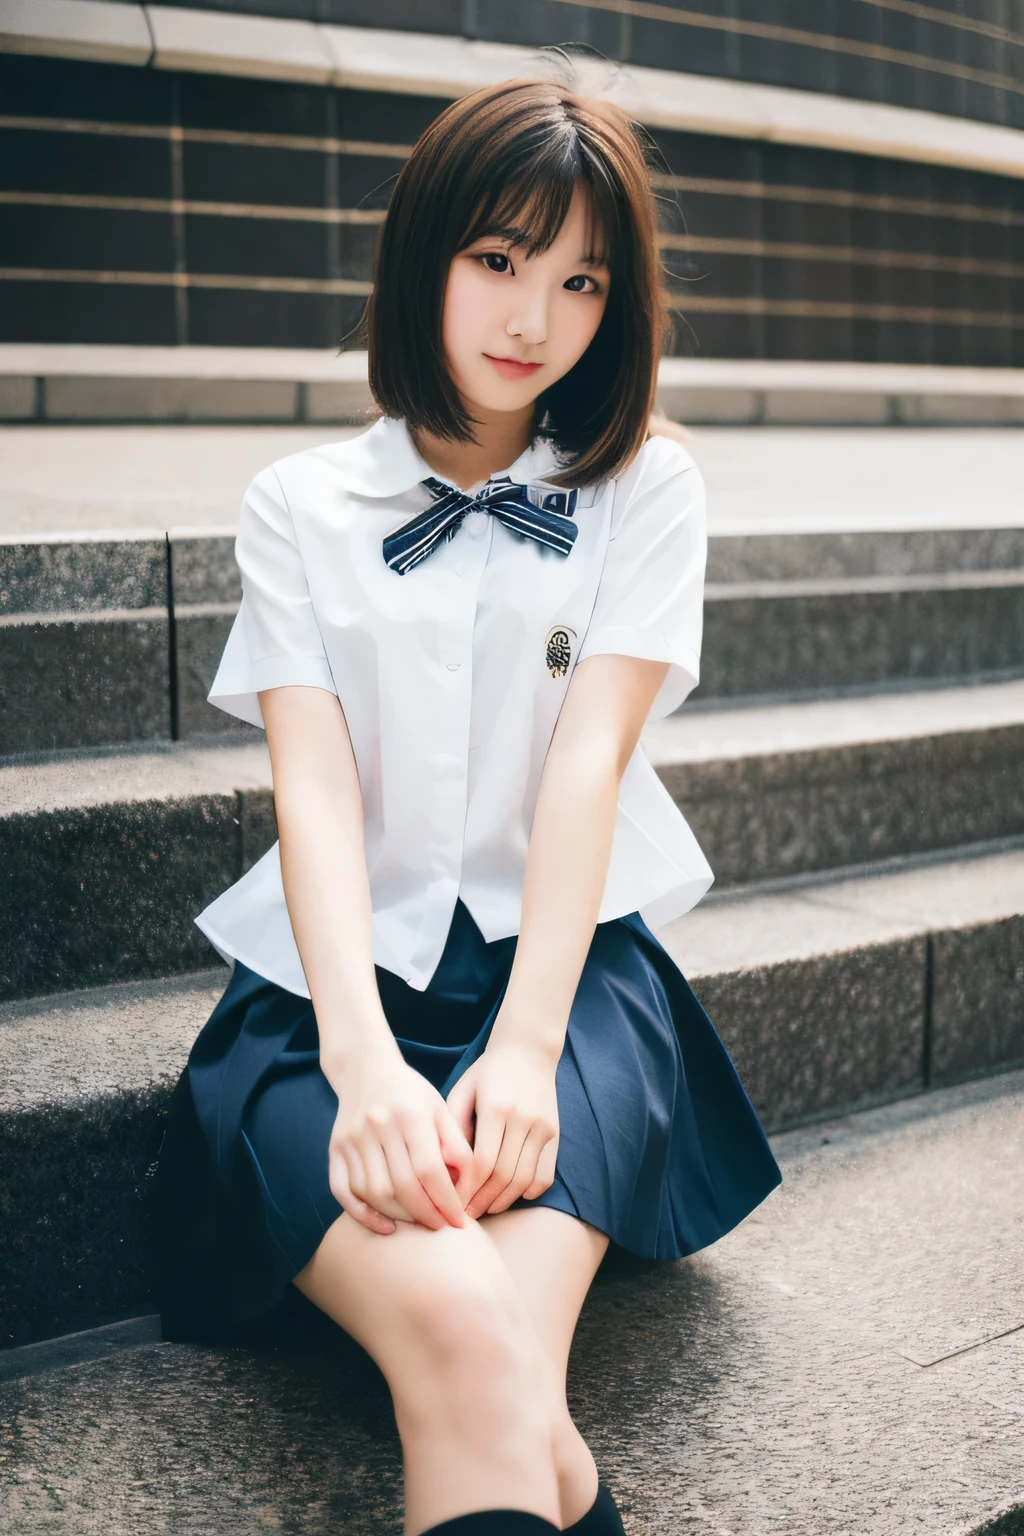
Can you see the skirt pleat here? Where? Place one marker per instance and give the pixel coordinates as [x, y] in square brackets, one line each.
[659, 1145]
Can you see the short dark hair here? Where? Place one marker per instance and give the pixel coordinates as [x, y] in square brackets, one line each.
[511, 155]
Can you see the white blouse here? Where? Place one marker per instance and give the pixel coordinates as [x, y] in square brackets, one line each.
[451, 678]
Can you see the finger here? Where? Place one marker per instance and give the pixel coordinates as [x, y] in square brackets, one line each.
[406, 1185]
[490, 1132]
[545, 1175]
[376, 1187]
[428, 1165]
[365, 1214]
[456, 1151]
[524, 1174]
[461, 1105]
[503, 1172]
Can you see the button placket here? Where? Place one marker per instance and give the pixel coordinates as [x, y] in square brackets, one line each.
[455, 713]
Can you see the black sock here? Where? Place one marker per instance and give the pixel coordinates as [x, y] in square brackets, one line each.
[601, 1519]
[494, 1522]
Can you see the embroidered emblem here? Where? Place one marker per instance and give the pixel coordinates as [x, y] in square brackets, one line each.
[558, 650]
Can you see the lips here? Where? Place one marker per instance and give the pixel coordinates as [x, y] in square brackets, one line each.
[511, 368]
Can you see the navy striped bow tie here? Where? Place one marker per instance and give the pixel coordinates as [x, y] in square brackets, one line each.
[550, 523]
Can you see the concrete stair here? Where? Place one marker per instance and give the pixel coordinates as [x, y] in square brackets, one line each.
[848, 1359]
[107, 640]
[830, 998]
[852, 765]
[773, 794]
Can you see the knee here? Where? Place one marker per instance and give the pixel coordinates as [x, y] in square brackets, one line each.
[477, 1364]
[466, 1325]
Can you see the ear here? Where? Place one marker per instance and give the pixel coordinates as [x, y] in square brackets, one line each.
[658, 425]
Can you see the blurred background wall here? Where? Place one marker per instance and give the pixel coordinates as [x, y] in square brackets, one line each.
[199, 176]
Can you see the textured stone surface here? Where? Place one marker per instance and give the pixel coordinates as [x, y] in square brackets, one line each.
[763, 818]
[100, 893]
[778, 638]
[756, 818]
[83, 681]
[841, 1030]
[759, 480]
[769, 1386]
[106, 858]
[86, 1078]
[165, 770]
[201, 632]
[877, 552]
[137, 399]
[259, 825]
[74, 1047]
[763, 928]
[977, 1016]
[82, 575]
[203, 568]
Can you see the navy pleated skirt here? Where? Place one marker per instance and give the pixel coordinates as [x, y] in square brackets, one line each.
[659, 1145]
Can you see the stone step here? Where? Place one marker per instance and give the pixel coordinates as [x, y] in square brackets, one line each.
[772, 795]
[767, 480]
[860, 991]
[107, 856]
[62, 383]
[113, 640]
[835, 1319]
[808, 638]
[786, 790]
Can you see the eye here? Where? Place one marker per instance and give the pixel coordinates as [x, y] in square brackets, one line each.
[575, 284]
[496, 261]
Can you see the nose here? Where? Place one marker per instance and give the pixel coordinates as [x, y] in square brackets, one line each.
[529, 319]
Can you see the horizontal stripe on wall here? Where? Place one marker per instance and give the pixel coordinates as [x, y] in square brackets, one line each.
[828, 42]
[837, 197]
[184, 205]
[654, 11]
[946, 18]
[663, 181]
[922, 261]
[328, 285]
[296, 141]
[825, 197]
[697, 304]
[925, 60]
[227, 235]
[824, 309]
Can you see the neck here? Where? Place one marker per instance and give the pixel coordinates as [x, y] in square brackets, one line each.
[501, 436]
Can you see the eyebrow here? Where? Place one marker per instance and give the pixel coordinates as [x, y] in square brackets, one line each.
[521, 237]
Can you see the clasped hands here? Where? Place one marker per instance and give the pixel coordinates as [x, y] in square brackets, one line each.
[401, 1152]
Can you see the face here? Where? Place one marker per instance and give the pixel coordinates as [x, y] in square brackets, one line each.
[514, 324]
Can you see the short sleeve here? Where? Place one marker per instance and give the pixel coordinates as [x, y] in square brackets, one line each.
[275, 638]
[650, 601]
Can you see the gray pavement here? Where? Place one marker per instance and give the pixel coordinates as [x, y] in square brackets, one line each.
[760, 479]
[847, 1362]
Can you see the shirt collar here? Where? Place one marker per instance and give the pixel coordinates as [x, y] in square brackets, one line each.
[384, 461]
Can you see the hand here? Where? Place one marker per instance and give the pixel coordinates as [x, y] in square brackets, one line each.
[511, 1091]
[395, 1150]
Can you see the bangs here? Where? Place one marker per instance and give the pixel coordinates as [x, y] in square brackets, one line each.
[530, 200]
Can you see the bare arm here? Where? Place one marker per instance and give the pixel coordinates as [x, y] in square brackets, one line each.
[394, 1134]
[323, 865]
[511, 1087]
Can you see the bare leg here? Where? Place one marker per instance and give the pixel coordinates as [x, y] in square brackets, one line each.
[471, 1381]
[553, 1258]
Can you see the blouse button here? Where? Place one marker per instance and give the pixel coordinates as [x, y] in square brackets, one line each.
[453, 666]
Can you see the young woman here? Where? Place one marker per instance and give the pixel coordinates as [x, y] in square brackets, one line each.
[452, 1062]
